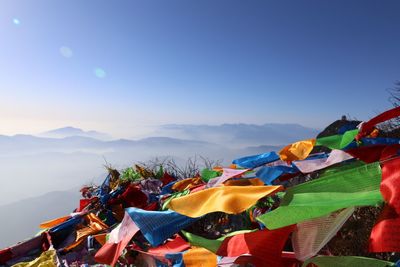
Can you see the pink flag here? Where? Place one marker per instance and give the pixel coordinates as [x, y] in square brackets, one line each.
[336, 156]
[226, 175]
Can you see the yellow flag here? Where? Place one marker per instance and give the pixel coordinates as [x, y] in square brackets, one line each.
[228, 199]
[297, 151]
[46, 259]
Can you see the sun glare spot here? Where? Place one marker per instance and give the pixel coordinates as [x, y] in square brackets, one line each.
[99, 72]
[16, 21]
[66, 51]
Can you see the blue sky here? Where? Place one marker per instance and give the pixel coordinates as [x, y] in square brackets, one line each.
[117, 66]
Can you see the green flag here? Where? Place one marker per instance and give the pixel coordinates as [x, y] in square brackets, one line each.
[207, 174]
[345, 261]
[358, 186]
[210, 244]
[337, 141]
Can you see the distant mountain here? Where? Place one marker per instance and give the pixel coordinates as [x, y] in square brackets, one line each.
[72, 131]
[28, 144]
[20, 220]
[37, 165]
[239, 135]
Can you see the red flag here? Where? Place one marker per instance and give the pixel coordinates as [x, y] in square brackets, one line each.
[368, 126]
[385, 235]
[83, 203]
[166, 179]
[5, 255]
[178, 244]
[265, 245]
[368, 154]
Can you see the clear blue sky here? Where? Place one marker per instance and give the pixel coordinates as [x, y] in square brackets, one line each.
[193, 62]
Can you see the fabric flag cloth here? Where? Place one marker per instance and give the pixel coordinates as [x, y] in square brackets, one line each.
[172, 196]
[84, 203]
[248, 260]
[195, 257]
[336, 156]
[228, 199]
[372, 141]
[207, 174]
[54, 222]
[177, 244]
[354, 186]
[61, 231]
[210, 244]
[47, 258]
[188, 183]
[311, 236]
[147, 260]
[167, 189]
[173, 246]
[252, 162]
[227, 261]
[132, 196]
[338, 141]
[244, 182]
[345, 261]
[367, 127]
[297, 151]
[268, 174]
[367, 154]
[31, 247]
[117, 241]
[287, 260]
[101, 238]
[265, 245]
[158, 226]
[103, 191]
[95, 225]
[226, 175]
[313, 205]
[385, 235]
[5, 255]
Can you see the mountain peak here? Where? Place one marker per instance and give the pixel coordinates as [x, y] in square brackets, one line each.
[70, 131]
[67, 129]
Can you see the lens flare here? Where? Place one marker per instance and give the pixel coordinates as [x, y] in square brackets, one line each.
[66, 51]
[99, 72]
[16, 21]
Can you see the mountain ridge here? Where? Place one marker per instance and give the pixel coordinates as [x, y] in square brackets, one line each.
[69, 131]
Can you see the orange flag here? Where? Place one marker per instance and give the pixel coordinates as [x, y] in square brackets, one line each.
[95, 225]
[187, 183]
[197, 256]
[54, 222]
[101, 238]
[297, 151]
[228, 199]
